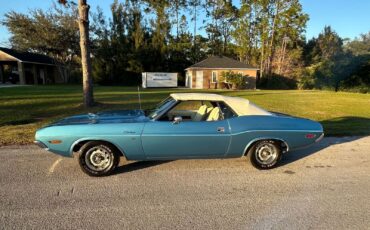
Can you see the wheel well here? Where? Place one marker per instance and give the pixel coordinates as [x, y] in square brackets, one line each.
[283, 144]
[78, 146]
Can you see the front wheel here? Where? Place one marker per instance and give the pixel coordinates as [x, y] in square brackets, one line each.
[98, 158]
[265, 154]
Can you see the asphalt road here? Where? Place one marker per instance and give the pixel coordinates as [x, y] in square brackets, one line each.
[324, 187]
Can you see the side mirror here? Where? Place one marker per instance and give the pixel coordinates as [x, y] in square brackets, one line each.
[177, 120]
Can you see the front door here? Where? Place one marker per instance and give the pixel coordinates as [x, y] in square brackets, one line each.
[187, 139]
[189, 80]
[199, 80]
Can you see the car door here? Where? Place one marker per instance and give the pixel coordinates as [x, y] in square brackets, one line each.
[186, 139]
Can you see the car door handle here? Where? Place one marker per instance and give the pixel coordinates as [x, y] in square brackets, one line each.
[221, 129]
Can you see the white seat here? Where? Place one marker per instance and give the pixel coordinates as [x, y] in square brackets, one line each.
[201, 113]
[214, 115]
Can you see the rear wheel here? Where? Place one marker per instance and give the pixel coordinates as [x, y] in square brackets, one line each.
[265, 154]
[98, 158]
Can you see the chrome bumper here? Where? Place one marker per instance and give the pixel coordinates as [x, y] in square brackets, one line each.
[320, 138]
[41, 145]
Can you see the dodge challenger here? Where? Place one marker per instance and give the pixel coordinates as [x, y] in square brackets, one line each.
[183, 126]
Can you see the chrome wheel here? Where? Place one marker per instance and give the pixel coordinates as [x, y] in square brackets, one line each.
[99, 158]
[266, 153]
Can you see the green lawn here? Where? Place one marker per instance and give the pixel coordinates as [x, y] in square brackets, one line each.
[24, 109]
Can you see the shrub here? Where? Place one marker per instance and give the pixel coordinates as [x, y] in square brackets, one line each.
[363, 88]
[275, 81]
[236, 80]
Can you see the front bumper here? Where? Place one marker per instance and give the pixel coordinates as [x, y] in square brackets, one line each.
[41, 145]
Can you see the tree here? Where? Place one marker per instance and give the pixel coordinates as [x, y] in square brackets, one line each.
[266, 31]
[160, 32]
[360, 45]
[83, 23]
[194, 6]
[223, 13]
[244, 33]
[328, 63]
[52, 32]
[329, 44]
[153, 35]
[176, 6]
[360, 76]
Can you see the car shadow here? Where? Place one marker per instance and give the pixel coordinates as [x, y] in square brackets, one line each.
[297, 155]
[137, 165]
[288, 158]
[343, 125]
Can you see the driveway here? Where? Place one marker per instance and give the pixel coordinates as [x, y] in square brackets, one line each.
[324, 187]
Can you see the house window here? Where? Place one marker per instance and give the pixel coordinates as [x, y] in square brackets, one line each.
[214, 77]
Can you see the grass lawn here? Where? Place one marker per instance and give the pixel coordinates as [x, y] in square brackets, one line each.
[25, 109]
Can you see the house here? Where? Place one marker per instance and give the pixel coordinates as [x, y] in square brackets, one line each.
[206, 74]
[29, 68]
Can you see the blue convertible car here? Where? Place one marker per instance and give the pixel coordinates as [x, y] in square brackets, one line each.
[183, 126]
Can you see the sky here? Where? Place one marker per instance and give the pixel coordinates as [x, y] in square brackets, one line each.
[348, 18]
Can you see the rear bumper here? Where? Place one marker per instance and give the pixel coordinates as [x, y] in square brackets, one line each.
[320, 138]
[41, 145]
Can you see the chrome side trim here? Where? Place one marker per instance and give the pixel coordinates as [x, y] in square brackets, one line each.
[233, 134]
[279, 130]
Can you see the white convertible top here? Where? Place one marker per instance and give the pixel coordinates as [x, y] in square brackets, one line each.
[240, 105]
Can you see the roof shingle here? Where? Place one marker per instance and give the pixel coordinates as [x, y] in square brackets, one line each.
[223, 62]
[29, 57]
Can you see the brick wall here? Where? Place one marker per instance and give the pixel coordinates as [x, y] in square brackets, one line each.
[207, 73]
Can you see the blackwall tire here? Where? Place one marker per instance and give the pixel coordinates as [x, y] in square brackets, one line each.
[265, 154]
[97, 158]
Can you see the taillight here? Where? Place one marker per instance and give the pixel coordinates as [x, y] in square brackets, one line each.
[310, 136]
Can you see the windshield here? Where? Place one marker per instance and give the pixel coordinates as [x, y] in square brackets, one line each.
[159, 108]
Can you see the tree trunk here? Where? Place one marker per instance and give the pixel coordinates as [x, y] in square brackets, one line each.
[83, 23]
[177, 21]
[262, 61]
[282, 57]
[270, 48]
[195, 23]
[250, 41]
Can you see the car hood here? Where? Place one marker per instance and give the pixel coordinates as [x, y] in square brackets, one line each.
[116, 116]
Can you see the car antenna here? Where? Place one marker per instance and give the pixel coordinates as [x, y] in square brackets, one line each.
[138, 93]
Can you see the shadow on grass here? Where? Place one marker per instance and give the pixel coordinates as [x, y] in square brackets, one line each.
[19, 122]
[347, 126]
